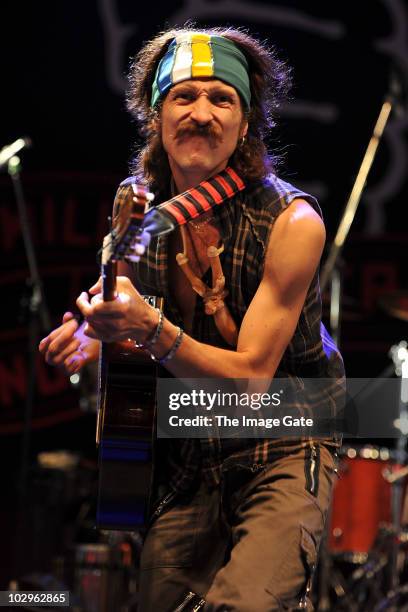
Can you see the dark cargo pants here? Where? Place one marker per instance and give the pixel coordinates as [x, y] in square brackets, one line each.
[249, 546]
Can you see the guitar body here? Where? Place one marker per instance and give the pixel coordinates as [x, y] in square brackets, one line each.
[127, 401]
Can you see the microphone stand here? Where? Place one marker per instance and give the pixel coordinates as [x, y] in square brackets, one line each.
[332, 268]
[38, 319]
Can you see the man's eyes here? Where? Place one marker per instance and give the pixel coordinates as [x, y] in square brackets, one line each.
[221, 99]
[215, 98]
[184, 95]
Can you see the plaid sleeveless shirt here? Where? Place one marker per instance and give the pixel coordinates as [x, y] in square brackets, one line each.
[245, 222]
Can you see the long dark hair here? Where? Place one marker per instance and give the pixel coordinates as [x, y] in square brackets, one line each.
[269, 80]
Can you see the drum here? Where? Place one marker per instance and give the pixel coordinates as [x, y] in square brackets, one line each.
[104, 574]
[361, 500]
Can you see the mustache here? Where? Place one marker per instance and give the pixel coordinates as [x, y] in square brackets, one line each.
[206, 131]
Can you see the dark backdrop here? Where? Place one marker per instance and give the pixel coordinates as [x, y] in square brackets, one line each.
[63, 77]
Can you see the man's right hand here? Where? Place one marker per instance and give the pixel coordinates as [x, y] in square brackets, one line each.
[67, 346]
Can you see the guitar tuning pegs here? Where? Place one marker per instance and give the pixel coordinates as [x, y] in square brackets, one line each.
[140, 192]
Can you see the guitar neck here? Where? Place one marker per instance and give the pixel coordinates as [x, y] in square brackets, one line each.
[109, 273]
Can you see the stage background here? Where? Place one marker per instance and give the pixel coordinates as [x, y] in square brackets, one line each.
[63, 81]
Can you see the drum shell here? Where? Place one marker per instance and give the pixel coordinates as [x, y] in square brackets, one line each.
[361, 499]
[100, 579]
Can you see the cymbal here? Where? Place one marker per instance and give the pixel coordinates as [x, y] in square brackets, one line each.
[395, 304]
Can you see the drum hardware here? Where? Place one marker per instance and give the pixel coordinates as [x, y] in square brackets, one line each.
[332, 582]
[399, 354]
[395, 476]
[364, 563]
[368, 570]
[390, 603]
[357, 590]
[355, 570]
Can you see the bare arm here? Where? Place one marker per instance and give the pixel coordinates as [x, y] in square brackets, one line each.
[291, 260]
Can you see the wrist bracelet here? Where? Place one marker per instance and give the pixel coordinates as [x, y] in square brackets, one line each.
[149, 343]
[173, 349]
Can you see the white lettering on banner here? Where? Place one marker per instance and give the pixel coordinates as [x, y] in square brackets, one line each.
[256, 12]
[395, 136]
[116, 36]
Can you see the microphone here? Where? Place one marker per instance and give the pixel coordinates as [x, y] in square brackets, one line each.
[7, 152]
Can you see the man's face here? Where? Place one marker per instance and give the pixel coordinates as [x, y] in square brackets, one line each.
[201, 122]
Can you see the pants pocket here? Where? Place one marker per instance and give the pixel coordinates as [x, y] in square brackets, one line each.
[291, 588]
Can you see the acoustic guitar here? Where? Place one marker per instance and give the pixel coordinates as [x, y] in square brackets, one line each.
[127, 388]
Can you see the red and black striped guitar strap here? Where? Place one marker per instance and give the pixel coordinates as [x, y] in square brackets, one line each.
[192, 203]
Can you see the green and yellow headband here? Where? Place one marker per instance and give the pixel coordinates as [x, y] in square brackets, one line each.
[196, 55]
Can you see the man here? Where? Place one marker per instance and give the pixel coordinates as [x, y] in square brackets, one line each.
[240, 520]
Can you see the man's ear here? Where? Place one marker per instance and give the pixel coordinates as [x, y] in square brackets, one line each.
[244, 129]
[155, 123]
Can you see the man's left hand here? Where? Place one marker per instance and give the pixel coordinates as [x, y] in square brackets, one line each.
[127, 316]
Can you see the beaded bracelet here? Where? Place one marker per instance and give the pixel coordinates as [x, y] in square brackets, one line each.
[149, 343]
[173, 349]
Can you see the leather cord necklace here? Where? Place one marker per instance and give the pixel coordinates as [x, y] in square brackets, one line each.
[215, 295]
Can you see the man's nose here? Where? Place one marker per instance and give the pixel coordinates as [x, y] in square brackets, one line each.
[201, 111]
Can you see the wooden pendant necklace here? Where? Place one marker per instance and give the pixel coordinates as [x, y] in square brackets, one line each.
[213, 296]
